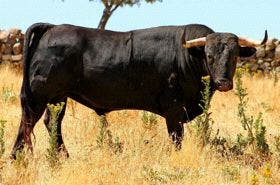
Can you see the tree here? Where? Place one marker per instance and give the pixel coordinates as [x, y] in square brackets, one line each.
[111, 5]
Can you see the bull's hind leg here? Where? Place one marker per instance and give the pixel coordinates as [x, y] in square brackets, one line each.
[47, 121]
[28, 121]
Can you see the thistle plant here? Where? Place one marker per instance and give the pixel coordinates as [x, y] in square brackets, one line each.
[52, 151]
[204, 122]
[149, 119]
[253, 126]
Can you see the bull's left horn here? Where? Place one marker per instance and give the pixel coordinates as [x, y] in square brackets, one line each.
[252, 43]
[195, 42]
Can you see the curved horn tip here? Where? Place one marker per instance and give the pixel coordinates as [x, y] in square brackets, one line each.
[265, 37]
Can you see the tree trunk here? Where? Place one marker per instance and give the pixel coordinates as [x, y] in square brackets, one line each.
[107, 12]
[104, 19]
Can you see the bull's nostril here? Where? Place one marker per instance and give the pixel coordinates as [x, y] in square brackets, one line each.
[221, 82]
[224, 85]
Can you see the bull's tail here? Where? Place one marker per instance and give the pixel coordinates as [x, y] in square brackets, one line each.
[32, 37]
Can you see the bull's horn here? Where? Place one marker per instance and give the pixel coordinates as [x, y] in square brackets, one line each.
[195, 42]
[252, 43]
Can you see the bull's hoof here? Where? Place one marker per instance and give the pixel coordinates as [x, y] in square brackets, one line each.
[178, 146]
[63, 151]
[12, 157]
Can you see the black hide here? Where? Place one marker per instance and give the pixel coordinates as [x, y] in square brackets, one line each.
[144, 69]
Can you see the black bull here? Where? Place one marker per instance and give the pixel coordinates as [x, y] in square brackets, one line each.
[145, 69]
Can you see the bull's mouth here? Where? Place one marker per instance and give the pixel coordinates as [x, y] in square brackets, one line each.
[223, 85]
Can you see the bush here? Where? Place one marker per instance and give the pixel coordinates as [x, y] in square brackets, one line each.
[105, 138]
[21, 160]
[52, 151]
[149, 120]
[157, 176]
[8, 94]
[203, 123]
[253, 126]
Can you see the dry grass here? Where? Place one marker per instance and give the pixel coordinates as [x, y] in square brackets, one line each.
[148, 157]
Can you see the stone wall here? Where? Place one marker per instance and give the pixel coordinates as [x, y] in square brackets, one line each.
[266, 59]
[11, 45]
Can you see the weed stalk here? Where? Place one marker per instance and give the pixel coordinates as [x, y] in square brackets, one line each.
[52, 151]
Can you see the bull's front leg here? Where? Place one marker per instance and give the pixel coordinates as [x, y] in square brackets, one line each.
[193, 111]
[175, 127]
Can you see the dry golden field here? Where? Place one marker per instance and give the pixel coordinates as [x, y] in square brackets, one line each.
[148, 156]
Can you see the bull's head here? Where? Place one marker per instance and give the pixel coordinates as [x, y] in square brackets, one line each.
[221, 51]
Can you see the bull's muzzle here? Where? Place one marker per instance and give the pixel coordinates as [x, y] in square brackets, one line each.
[223, 85]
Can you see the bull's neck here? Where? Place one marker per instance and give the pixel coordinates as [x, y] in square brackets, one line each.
[197, 64]
[193, 68]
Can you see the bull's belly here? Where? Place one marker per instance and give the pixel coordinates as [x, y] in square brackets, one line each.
[111, 97]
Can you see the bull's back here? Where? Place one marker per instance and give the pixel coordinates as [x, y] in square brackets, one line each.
[112, 76]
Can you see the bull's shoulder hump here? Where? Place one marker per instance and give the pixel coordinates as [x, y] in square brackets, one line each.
[198, 29]
[198, 26]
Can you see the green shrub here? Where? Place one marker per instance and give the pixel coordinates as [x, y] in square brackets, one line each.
[8, 94]
[156, 176]
[105, 138]
[52, 151]
[220, 144]
[231, 172]
[204, 122]
[21, 160]
[149, 120]
[103, 132]
[253, 126]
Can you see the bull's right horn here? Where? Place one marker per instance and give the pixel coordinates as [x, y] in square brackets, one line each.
[195, 42]
[252, 43]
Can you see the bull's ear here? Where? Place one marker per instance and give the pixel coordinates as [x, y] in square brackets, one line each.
[247, 51]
